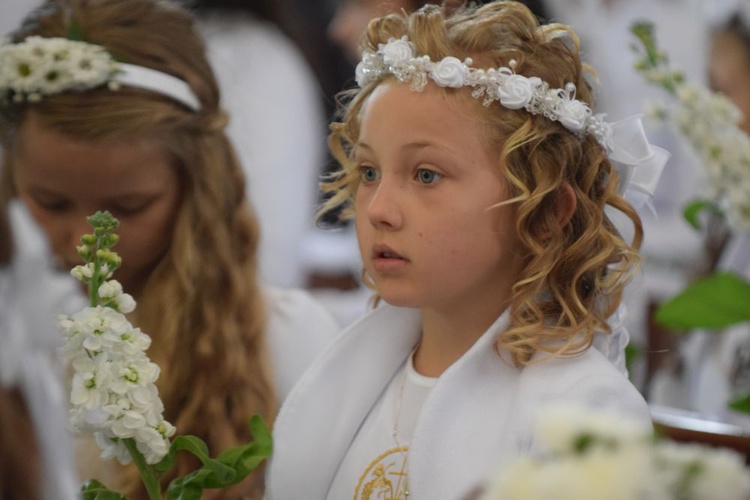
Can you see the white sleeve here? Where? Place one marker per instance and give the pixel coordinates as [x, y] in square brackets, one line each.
[299, 329]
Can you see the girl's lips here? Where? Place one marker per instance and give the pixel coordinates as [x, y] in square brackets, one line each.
[385, 260]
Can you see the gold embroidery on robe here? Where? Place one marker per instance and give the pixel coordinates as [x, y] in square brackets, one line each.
[385, 477]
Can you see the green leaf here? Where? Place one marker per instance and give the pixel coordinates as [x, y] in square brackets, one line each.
[75, 32]
[94, 490]
[632, 353]
[693, 209]
[741, 404]
[198, 448]
[246, 458]
[718, 301]
[240, 460]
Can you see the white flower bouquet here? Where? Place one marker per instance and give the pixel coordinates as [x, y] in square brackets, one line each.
[113, 392]
[709, 122]
[589, 456]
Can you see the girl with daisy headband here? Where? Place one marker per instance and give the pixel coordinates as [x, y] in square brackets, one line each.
[126, 118]
[481, 183]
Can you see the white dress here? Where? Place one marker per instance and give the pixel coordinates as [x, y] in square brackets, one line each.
[479, 414]
[277, 126]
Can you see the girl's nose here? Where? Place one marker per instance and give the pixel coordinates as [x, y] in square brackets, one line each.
[384, 210]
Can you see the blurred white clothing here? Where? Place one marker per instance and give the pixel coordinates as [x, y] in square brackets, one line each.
[12, 13]
[671, 248]
[277, 126]
[32, 294]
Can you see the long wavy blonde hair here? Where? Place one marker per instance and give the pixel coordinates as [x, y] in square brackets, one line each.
[20, 474]
[574, 272]
[202, 305]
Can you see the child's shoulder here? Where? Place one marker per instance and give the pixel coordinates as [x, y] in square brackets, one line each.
[565, 368]
[588, 379]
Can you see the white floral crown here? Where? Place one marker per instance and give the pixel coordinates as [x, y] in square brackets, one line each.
[513, 91]
[625, 141]
[41, 66]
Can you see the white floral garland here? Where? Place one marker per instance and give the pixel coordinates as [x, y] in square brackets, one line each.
[398, 57]
[46, 66]
[40, 66]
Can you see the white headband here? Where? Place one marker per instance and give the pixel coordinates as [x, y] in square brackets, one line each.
[39, 67]
[625, 142]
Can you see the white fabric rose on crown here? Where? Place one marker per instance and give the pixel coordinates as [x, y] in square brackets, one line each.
[517, 91]
[449, 72]
[572, 113]
[396, 51]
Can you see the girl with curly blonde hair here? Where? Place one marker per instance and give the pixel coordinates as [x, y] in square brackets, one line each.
[148, 144]
[478, 178]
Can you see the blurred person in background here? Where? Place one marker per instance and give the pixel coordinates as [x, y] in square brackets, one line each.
[351, 17]
[275, 98]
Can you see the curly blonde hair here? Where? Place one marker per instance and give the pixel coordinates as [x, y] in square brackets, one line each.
[574, 271]
[202, 305]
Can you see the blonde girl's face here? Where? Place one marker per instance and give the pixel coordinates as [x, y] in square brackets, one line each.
[427, 236]
[63, 180]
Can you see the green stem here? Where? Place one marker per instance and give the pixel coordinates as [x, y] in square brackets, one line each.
[148, 474]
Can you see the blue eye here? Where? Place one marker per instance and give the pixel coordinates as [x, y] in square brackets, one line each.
[369, 174]
[427, 176]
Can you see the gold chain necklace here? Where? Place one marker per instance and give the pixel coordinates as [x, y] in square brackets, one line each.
[404, 483]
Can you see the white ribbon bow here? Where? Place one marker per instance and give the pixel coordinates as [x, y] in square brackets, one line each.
[638, 162]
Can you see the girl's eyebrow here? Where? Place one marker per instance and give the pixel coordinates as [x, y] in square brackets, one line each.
[417, 145]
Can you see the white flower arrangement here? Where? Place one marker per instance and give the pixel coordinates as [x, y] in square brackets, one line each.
[113, 393]
[45, 66]
[709, 122]
[398, 57]
[40, 66]
[590, 456]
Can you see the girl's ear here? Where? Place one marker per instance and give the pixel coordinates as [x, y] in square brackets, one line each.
[565, 204]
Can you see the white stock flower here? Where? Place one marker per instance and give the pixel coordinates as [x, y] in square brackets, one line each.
[90, 386]
[89, 420]
[627, 465]
[111, 293]
[397, 51]
[93, 329]
[125, 303]
[110, 289]
[127, 424]
[709, 122]
[113, 390]
[517, 91]
[82, 272]
[561, 424]
[153, 441]
[112, 447]
[449, 72]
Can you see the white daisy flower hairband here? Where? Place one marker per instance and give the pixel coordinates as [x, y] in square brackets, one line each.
[39, 66]
[625, 142]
